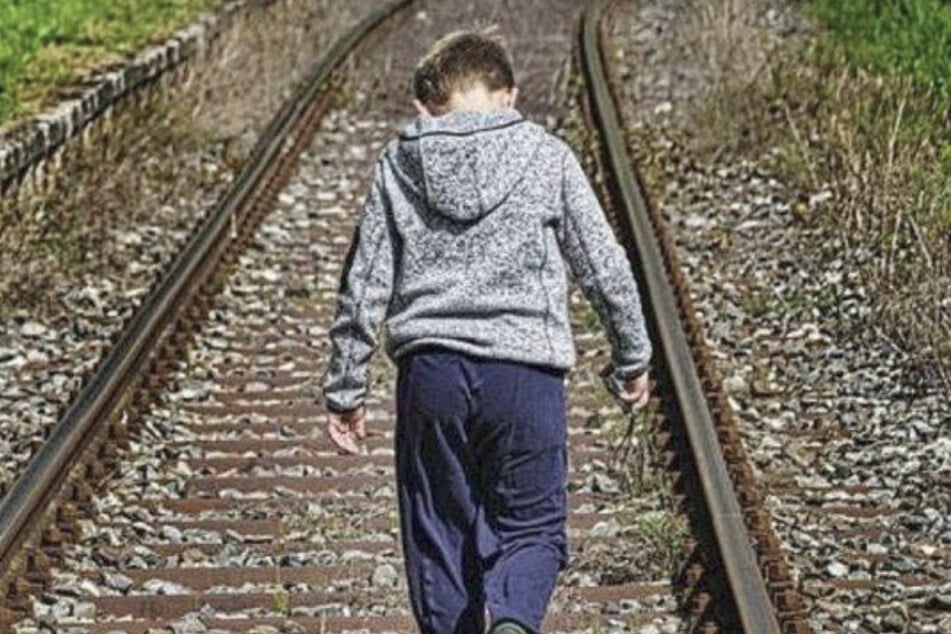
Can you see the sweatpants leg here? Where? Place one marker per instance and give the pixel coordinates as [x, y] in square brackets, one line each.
[438, 506]
[481, 465]
[520, 434]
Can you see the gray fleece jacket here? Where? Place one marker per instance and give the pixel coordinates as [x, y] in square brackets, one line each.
[461, 243]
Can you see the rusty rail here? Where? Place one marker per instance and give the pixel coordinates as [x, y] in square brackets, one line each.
[29, 497]
[684, 394]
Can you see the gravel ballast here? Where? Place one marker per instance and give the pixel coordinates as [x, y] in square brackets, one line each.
[232, 470]
[123, 207]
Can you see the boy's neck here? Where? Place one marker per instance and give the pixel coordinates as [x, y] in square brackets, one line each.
[480, 99]
[471, 105]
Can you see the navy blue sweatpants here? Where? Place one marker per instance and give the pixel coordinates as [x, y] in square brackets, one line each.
[481, 469]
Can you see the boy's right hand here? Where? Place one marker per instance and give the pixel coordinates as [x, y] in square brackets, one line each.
[346, 428]
[637, 391]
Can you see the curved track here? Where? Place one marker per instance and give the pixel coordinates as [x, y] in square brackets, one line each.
[218, 503]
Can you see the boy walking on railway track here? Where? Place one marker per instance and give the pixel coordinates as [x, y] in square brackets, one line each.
[459, 254]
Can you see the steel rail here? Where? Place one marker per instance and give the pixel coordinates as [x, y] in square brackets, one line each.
[685, 399]
[37, 485]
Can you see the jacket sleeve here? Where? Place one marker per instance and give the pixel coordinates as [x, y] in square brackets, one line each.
[601, 268]
[366, 282]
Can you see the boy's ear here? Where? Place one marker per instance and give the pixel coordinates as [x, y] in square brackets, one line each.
[421, 108]
[513, 96]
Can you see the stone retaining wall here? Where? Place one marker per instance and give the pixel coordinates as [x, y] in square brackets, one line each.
[135, 137]
[26, 148]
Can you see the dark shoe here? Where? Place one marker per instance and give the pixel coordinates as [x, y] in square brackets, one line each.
[508, 627]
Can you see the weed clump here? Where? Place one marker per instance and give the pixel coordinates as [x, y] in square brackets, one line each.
[858, 116]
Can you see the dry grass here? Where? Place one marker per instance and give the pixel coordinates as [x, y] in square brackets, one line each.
[876, 146]
[62, 233]
[154, 154]
[738, 55]
[730, 41]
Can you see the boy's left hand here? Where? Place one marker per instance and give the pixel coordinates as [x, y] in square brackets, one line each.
[346, 428]
[637, 391]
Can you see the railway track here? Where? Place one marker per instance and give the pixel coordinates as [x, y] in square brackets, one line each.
[189, 488]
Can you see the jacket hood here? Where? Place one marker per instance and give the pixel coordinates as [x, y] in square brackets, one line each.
[465, 164]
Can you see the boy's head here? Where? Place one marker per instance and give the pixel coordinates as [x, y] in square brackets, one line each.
[464, 71]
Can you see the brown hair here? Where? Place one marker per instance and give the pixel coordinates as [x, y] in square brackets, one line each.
[456, 62]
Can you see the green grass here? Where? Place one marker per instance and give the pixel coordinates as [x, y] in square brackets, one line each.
[665, 532]
[45, 44]
[904, 47]
[909, 38]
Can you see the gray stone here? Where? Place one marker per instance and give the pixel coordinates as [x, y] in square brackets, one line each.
[84, 610]
[893, 622]
[385, 576]
[33, 329]
[940, 602]
[736, 384]
[609, 528]
[160, 586]
[117, 581]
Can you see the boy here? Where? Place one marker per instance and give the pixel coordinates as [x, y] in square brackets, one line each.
[459, 250]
